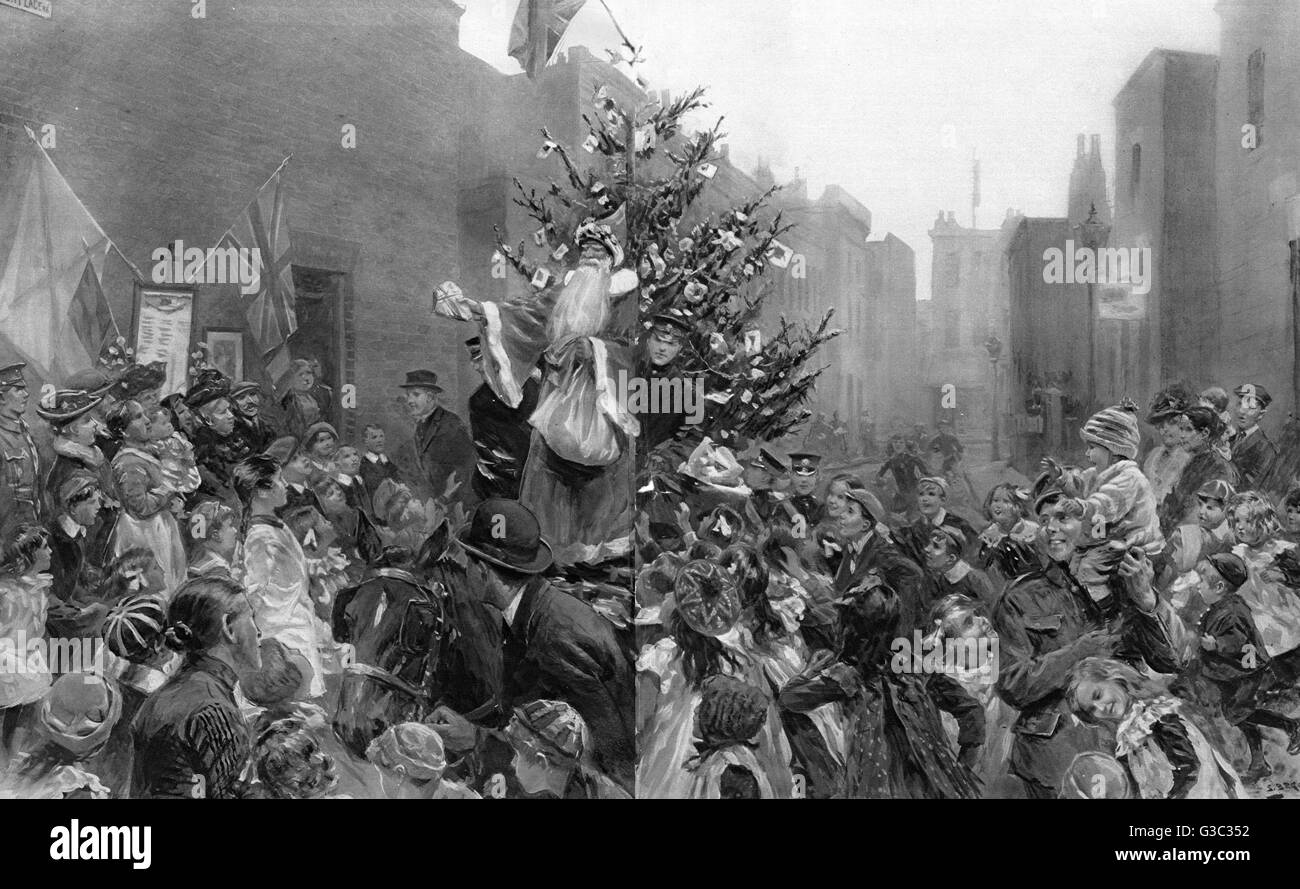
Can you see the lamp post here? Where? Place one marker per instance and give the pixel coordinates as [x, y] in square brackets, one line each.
[994, 347]
[1093, 233]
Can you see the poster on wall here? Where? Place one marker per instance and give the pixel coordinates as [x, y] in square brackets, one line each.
[163, 318]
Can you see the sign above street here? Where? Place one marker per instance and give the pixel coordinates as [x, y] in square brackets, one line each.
[43, 8]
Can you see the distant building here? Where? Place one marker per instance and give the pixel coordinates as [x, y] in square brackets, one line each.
[1165, 201]
[969, 302]
[1258, 87]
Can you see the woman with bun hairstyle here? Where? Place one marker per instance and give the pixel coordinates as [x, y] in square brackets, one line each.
[191, 740]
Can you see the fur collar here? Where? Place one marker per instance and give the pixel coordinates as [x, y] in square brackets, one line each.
[91, 455]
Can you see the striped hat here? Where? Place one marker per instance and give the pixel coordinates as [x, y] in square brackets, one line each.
[556, 724]
[1115, 429]
[134, 627]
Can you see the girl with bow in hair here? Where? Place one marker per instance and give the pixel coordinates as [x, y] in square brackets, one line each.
[729, 718]
[24, 673]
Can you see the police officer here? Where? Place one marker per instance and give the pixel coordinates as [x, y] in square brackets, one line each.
[662, 348]
[807, 472]
[761, 474]
[20, 464]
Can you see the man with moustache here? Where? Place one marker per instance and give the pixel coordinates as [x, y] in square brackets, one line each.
[251, 428]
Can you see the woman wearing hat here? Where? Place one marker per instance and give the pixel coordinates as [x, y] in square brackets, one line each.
[705, 638]
[1204, 464]
[75, 722]
[1165, 462]
[75, 426]
[139, 483]
[191, 741]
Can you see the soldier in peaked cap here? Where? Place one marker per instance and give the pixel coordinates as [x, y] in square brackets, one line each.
[806, 469]
[761, 472]
[1252, 452]
[660, 350]
[251, 428]
[20, 464]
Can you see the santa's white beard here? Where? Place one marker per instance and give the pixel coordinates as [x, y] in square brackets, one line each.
[583, 305]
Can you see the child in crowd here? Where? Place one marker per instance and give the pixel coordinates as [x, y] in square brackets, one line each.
[174, 451]
[75, 720]
[951, 573]
[1291, 514]
[1233, 658]
[290, 763]
[410, 760]
[375, 464]
[1190, 544]
[1271, 597]
[348, 461]
[1008, 546]
[1126, 512]
[1165, 753]
[214, 532]
[727, 722]
[551, 747]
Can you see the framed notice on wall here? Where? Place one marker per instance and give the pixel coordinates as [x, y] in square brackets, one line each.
[162, 321]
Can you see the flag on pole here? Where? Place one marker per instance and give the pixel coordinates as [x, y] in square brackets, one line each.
[263, 227]
[52, 308]
[539, 25]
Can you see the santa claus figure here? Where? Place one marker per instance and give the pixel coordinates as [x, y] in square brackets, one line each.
[578, 479]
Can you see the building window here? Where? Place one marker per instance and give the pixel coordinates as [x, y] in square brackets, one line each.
[1135, 172]
[1255, 94]
[952, 269]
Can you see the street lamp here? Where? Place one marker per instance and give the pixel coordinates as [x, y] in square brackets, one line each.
[1093, 233]
[994, 347]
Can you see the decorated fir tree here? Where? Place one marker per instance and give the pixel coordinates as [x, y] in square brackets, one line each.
[647, 181]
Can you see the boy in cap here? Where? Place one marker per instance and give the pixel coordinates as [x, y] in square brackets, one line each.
[251, 427]
[1123, 505]
[663, 345]
[1233, 658]
[550, 742]
[1252, 452]
[1189, 544]
[77, 543]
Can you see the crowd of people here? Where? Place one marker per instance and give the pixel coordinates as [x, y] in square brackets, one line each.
[1125, 625]
[273, 613]
[276, 614]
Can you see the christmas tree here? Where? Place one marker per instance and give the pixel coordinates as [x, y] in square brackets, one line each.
[714, 268]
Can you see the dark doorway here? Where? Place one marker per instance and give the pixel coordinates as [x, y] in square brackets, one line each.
[319, 307]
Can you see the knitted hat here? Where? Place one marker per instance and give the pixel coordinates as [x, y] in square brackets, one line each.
[135, 625]
[1115, 429]
[412, 746]
[707, 598]
[556, 724]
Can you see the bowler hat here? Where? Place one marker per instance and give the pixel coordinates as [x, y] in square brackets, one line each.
[506, 533]
[422, 379]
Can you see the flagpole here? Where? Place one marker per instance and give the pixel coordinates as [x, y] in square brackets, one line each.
[231, 227]
[619, 29]
[45, 154]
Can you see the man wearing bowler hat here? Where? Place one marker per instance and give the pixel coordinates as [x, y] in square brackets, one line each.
[442, 442]
[20, 464]
[501, 432]
[556, 646]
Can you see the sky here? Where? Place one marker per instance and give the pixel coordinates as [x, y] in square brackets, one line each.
[892, 99]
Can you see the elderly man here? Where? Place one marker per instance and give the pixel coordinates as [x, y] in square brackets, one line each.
[20, 464]
[442, 442]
